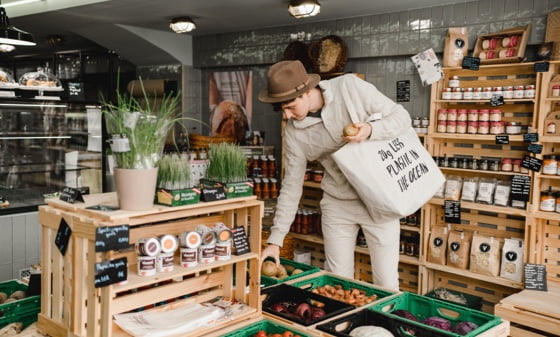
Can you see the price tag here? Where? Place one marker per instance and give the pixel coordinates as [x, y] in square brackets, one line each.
[535, 148]
[472, 63]
[497, 100]
[240, 241]
[403, 91]
[520, 188]
[111, 238]
[110, 272]
[502, 139]
[452, 211]
[213, 193]
[541, 67]
[71, 195]
[63, 236]
[535, 277]
[531, 163]
[530, 137]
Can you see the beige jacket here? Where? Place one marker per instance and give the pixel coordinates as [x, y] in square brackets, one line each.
[315, 139]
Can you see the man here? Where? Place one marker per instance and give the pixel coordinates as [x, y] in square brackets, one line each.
[317, 112]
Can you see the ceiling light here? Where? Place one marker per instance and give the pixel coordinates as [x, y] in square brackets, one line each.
[304, 8]
[182, 25]
[6, 48]
[11, 35]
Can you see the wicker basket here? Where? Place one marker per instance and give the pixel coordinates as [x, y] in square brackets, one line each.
[197, 141]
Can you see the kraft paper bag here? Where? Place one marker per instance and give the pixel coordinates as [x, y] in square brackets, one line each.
[394, 177]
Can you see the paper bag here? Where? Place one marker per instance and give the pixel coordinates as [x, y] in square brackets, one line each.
[394, 177]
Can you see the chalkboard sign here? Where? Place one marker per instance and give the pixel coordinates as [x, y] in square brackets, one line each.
[63, 236]
[541, 67]
[75, 91]
[535, 148]
[502, 139]
[497, 100]
[240, 241]
[452, 211]
[520, 188]
[71, 195]
[111, 238]
[213, 193]
[110, 272]
[535, 277]
[403, 91]
[530, 137]
[532, 163]
[472, 63]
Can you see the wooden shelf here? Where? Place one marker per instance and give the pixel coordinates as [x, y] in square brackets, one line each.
[469, 274]
[504, 173]
[486, 101]
[411, 228]
[484, 207]
[475, 137]
[312, 184]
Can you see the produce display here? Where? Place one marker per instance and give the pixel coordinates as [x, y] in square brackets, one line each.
[308, 311]
[351, 296]
[15, 296]
[270, 269]
[287, 333]
[461, 328]
[370, 331]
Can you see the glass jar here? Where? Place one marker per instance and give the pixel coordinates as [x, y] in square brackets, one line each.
[456, 93]
[486, 93]
[483, 165]
[497, 91]
[483, 115]
[425, 122]
[472, 115]
[507, 165]
[461, 127]
[556, 90]
[517, 165]
[468, 93]
[495, 115]
[483, 127]
[451, 127]
[442, 115]
[551, 128]
[513, 128]
[497, 128]
[472, 127]
[454, 82]
[446, 94]
[508, 91]
[518, 91]
[452, 114]
[550, 164]
[547, 201]
[477, 93]
[416, 122]
[441, 126]
[461, 115]
[529, 91]
[494, 165]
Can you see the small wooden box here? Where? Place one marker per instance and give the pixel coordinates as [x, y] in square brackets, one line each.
[491, 54]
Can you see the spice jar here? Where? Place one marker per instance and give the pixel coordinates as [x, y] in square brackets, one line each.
[472, 127]
[456, 93]
[513, 128]
[472, 115]
[454, 82]
[483, 127]
[451, 127]
[497, 91]
[549, 164]
[556, 90]
[518, 91]
[416, 122]
[442, 126]
[497, 128]
[508, 91]
[477, 93]
[425, 122]
[442, 115]
[453, 163]
[461, 127]
[507, 165]
[494, 165]
[483, 165]
[486, 93]
[468, 93]
[495, 115]
[529, 91]
[547, 201]
[483, 115]
[452, 114]
[446, 93]
[462, 115]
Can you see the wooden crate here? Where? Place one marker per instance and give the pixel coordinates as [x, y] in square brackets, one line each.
[532, 313]
[522, 32]
[72, 306]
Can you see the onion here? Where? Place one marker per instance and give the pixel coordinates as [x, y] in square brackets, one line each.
[303, 310]
[317, 313]
[278, 307]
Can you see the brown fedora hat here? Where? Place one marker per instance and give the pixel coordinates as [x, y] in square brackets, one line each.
[287, 80]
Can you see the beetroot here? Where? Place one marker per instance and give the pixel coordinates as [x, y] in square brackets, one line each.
[438, 322]
[405, 314]
[463, 328]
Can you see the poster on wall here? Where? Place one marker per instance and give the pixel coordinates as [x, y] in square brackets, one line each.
[231, 104]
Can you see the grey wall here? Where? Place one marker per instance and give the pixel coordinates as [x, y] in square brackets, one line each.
[20, 244]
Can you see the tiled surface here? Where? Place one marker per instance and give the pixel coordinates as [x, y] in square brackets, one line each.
[19, 244]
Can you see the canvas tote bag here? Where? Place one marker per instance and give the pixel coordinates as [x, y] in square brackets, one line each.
[393, 177]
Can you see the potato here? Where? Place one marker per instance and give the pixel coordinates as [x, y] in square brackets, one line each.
[269, 268]
[350, 130]
[296, 271]
[18, 295]
[281, 272]
[3, 297]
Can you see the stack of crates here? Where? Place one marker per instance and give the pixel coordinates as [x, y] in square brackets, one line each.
[23, 310]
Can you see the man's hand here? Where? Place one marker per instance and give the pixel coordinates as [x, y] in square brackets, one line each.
[272, 251]
[364, 131]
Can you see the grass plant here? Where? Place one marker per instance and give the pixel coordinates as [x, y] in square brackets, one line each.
[228, 163]
[174, 172]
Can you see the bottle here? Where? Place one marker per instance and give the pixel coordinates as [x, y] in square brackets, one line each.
[273, 188]
[271, 166]
[264, 166]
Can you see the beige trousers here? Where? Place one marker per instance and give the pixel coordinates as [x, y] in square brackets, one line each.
[340, 222]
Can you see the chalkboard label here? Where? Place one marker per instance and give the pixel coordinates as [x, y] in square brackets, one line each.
[110, 272]
[76, 91]
[213, 193]
[520, 188]
[502, 139]
[111, 238]
[541, 67]
[452, 211]
[531, 137]
[535, 148]
[535, 277]
[532, 163]
[497, 100]
[472, 63]
[240, 241]
[63, 236]
[71, 195]
[403, 91]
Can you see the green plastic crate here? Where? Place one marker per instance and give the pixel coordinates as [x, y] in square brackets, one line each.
[472, 301]
[24, 310]
[321, 281]
[423, 307]
[307, 270]
[266, 325]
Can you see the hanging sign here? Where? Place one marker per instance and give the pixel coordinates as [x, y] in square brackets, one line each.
[111, 238]
[71, 195]
[63, 236]
[240, 241]
[452, 210]
[110, 272]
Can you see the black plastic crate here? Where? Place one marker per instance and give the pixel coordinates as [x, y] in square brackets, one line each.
[290, 294]
[265, 325]
[470, 301]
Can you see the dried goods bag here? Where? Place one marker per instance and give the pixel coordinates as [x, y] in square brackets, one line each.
[395, 176]
[455, 47]
[512, 260]
[437, 247]
[485, 255]
[458, 249]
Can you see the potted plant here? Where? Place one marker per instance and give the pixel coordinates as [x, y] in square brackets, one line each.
[138, 130]
[228, 168]
[175, 183]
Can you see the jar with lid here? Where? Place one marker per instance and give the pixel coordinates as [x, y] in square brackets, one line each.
[529, 91]
[202, 154]
[551, 128]
[547, 201]
[486, 93]
[416, 122]
[550, 164]
[453, 163]
[472, 115]
[517, 165]
[451, 127]
[443, 161]
[456, 93]
[475, 164]
[454, 82]
[472, 127]
[483, 115]
[462, 115]
[556, 90]
[477, 93]
[495, 115]
[518, 91]
[557, 196]
[317, 176]
[483, 165]
[446, 93]
[513, 128]
[425, 122]
[483, 127]
[494, 165]
[497, 128]
[497, 91]
[441, 126]
[461, 127]
[508, 91]
[452, 114]
[507, 165]
[442, 115]
[468, 93]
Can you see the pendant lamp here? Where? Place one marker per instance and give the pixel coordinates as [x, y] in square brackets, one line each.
[304, 8]
[11, 35]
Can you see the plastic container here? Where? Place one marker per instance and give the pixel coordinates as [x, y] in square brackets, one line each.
[40, 80]
[266, 325]
[473, 302]
[323, 280]
[423, 307]
[24, 310]
[307, 270]
[295, 295]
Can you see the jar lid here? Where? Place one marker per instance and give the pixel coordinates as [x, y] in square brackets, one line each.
[548, 192]
[513, 124]
[506, 160]
[556, 86]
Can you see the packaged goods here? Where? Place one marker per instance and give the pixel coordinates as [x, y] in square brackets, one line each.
[437, 245]
[453, 187]
[486, 188]
[456, 44]
[485, 255]
[501, 196]
[458, 249]
[470, 187]
[512, 259]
